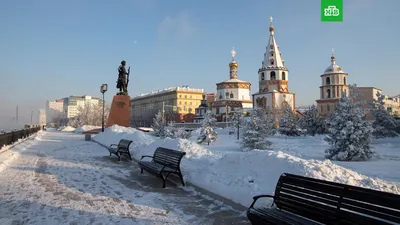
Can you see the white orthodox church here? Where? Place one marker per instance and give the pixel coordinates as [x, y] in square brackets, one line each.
[333, 86]
[232, 94]
[273, 76]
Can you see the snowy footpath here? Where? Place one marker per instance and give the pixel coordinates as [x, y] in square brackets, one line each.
[58, 178]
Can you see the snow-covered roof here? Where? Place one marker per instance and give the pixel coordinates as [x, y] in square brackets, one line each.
[170, 89]
[234, 81]
[333, 68]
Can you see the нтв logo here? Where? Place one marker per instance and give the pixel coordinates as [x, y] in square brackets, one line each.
[331, 10]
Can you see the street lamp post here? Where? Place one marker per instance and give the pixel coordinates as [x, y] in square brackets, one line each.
[103, 89]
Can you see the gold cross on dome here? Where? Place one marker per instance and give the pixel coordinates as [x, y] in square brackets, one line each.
[270, 20]
[233, 53]
[333, 51]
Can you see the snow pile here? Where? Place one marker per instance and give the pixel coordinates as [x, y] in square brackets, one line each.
[68, 129]
[113, 134]
[226, 170]
[85, 128]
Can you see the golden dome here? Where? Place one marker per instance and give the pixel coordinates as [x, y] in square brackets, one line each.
[271, 29]
[233, 64]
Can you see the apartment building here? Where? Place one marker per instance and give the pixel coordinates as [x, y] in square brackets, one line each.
[178, 103]
[368, 94]
[72, 104]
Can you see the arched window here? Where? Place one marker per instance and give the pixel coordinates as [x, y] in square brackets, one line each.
[328, 81]
[220, 96]
[227, 94]
[328, 93]
[283, 76]
[231, 96]
[262, 76]
[344, 80]
[272, 62]
[273, 76]
[272, 54]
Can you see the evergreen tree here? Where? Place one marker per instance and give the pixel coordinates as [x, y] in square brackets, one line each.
[312, 122]
[255, 129]
[207, 132]
[158, 125]
[288, 123]
[349, 134]
[384, 124]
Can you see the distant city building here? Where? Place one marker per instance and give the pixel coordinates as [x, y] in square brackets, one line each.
[273, 91]
[232, 94]
[210, 98]
[53, 108]
[333, 86]
[201, 110]
[42, 117]
[368, 95]
[179, 105]
[73, 104]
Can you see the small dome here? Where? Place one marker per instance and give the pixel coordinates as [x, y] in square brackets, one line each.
[233, 64]
[333, 69]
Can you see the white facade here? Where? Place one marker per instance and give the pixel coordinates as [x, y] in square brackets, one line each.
[273, 92]
[232, 94]
[42, 117]
[53, 109]
[333, 86]
[73, 104]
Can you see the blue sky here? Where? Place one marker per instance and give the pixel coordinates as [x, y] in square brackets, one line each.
[52, 49]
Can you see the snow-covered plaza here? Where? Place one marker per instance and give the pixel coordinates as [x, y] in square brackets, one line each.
[58, 178]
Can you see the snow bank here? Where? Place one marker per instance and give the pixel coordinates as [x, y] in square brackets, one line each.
[85, 128]
[68, 129]
[238, 175]
[113, 134]
[11, 152]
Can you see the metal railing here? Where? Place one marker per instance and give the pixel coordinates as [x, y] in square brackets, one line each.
[13, 136]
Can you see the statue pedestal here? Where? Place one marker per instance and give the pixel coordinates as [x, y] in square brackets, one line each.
[120, 111]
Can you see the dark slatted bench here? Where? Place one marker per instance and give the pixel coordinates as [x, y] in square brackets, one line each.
[303, 200]
[121, 148]
[165, 162]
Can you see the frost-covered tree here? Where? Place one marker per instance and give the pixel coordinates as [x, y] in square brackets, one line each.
[207, 132]
[182, 133]
[349, 134]
[289, 122]
[384, 125]
[91, 114]
[159, 128]
[313, 122]
[256, 129]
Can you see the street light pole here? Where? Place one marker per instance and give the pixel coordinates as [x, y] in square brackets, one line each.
[103, 89]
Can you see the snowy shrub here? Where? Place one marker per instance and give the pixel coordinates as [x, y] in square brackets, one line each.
[159, 128]
[312, 122]
[256, 129]
[288, 123]
[91, 114]
[207, 132]
[349, 134]
[384, 124]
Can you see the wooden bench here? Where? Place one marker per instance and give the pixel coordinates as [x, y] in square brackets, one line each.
[303, 200]
[121, 148]
[164, 163]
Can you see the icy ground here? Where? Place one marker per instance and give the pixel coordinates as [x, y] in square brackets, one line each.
[58, 178]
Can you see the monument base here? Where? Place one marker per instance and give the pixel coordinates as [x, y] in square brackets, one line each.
[120, 111]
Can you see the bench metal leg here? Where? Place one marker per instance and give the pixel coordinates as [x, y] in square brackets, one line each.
[129, 154]
[180, 176]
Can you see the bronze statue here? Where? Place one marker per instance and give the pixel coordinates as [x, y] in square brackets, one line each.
[123, 79]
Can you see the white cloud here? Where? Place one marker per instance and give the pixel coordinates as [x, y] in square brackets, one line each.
[177, 27]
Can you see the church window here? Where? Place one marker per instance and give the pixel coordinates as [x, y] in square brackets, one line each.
[220, 96]
[328, 93]
[272, 62]
[273, 76]
[231, 96]
[272, 54]
[262, 76]
[328, 81]
[283, 76]
[217, 111]
[227, 94]
[271, 46]
[344, 80]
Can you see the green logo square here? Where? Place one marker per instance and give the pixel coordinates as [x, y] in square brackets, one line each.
[331, 10]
